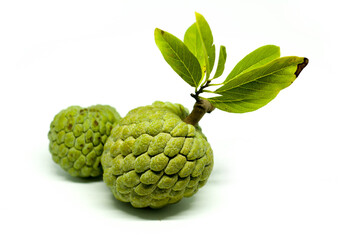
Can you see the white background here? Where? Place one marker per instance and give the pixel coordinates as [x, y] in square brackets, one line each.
[290, 170]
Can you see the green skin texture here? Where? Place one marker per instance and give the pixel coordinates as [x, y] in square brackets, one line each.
[152, 158]
[77, 136]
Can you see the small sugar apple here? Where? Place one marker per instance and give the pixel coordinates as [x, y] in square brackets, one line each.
[77, 136]
[152, 158]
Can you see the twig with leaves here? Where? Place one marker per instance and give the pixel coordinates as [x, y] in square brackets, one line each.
[253, 82]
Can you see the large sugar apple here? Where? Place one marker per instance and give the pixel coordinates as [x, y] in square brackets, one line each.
[77, 136]
[152, 158]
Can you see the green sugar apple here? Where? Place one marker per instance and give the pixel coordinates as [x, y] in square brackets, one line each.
[152, 158]
[77, 136]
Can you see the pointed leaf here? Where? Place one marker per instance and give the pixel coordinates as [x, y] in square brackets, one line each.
[192, 39]
[255, 59]
[238, 105]
[207, 41]
[254, 89]
[221, 62]
[177, 55]
[212, 57]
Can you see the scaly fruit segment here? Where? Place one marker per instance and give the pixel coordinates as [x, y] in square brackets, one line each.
[77, 136]
[153, 158]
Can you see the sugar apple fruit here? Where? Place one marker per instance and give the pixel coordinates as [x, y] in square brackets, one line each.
[152, 158]
[77, 136]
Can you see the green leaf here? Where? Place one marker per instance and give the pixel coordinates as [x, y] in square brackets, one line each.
[255, 88]
[212, 57]
[192, 39]
[255, 59]
[238, 105]
[177, 55]
[207, 42]
[221, 62]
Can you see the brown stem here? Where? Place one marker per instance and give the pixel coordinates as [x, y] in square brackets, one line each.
[200, 108]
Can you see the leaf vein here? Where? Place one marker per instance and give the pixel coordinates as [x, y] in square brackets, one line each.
[255, 79]
[183, 63]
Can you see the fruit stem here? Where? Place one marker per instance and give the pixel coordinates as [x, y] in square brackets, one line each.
[201, 107]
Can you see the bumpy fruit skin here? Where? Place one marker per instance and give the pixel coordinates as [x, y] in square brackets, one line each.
[152, 158]
[77, 136]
